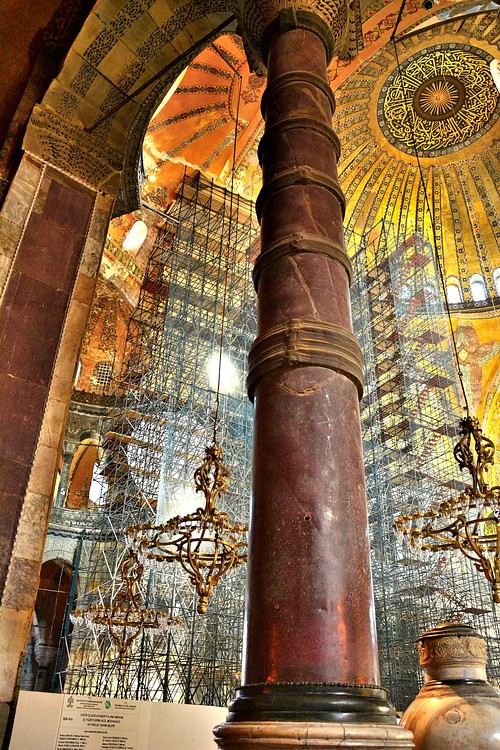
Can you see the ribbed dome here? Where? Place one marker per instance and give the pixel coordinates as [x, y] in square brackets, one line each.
[431, 95]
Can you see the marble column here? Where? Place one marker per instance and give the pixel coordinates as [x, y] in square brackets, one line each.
[310, 672]
[54, 227]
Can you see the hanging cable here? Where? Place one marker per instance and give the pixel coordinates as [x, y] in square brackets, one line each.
[226, 275]
[433, 229]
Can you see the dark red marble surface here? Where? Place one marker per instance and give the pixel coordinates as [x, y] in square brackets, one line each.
[32, 315]
[310, 615]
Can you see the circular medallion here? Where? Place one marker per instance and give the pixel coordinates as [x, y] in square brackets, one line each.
[439, 98]
[439, 101]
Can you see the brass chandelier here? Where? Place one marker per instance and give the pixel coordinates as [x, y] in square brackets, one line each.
[126, 618]
[469, 523]
[205, 543]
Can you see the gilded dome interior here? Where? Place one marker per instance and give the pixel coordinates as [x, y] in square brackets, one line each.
[418, 124]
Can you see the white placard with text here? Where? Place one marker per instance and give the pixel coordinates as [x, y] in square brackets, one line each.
[48, 721]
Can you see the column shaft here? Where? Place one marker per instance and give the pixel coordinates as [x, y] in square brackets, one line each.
[43, 312]
[310, 667]
[310, 606]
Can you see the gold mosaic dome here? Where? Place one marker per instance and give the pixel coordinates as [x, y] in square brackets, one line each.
[418, 124]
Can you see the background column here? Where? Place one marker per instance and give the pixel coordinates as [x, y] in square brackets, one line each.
[55, 227]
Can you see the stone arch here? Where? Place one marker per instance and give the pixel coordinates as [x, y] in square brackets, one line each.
[129, 196]
[50, 614]
[81, 472]
[92, 120]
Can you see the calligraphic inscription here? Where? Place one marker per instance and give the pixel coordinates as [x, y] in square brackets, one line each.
[439, 100]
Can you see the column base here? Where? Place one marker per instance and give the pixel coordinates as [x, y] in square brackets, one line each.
[248, 735]
[311, 702]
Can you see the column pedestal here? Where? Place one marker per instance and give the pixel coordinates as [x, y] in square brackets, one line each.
[321, 736]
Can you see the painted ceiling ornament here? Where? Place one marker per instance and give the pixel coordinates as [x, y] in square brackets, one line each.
[87, 158]
[337, 22]
[439, 101]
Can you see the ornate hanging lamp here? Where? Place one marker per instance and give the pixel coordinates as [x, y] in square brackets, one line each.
[205, 543]
[468, 523]
[126, 618]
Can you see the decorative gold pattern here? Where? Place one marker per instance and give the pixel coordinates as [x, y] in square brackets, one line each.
[439, 97]
[452, 650]
[205, 543]
[379, 180]
[476, 453]
[439, 101]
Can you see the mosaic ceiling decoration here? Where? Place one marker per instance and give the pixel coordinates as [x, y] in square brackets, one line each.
[455, 181]
[439, 101]
[453, 102]
[210, 122]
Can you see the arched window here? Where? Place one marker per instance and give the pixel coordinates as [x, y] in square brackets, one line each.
[453, 291]
[102, 374]
[134, 239]
[51, 605]
[478, 288]
[496, 281]
[83, 482]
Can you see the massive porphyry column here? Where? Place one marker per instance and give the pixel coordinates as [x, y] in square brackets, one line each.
[310, 673]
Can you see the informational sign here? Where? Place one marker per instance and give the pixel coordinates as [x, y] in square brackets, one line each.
[48, 721]
[103, 724]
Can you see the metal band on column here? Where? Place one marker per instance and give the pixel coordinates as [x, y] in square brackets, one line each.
[301, 243]
[299, 176]
[311, 124]
[304, 78]
[305, 342]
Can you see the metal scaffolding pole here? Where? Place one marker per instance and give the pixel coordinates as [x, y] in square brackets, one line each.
[155, 437]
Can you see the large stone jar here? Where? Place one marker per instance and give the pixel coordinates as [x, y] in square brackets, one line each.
[456, 709]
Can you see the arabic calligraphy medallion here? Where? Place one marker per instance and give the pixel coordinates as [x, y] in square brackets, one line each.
[439, 101]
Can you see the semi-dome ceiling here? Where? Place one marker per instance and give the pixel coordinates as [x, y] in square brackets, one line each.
[216, 98]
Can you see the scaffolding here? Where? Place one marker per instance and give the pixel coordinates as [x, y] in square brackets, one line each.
[197, 285]
[163, 418]
[410, 415]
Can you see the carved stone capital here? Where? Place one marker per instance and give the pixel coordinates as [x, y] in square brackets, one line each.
[72, 151]
[336, 22]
